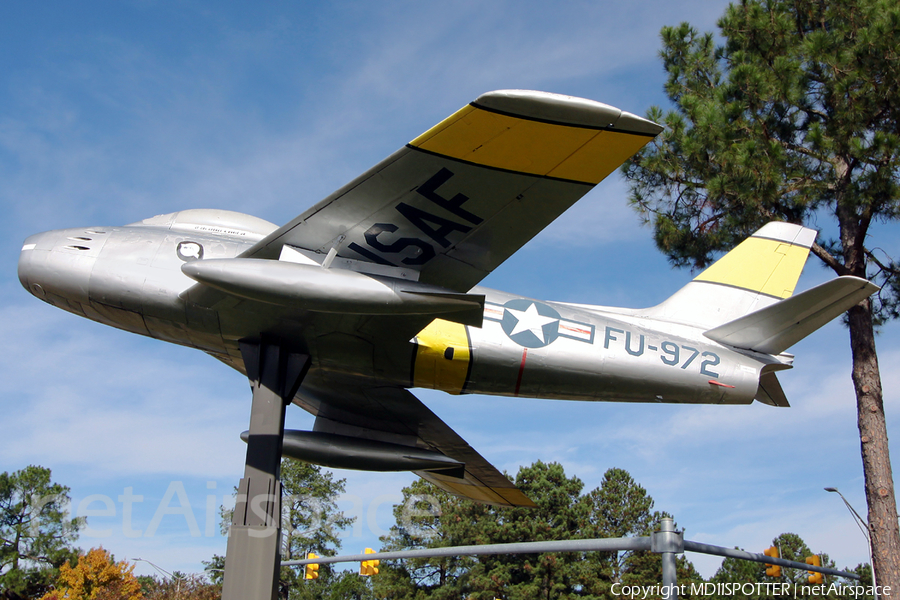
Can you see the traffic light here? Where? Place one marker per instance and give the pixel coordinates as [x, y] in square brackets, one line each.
[815, 577]
[772, 570]
[312, 569]
[369, 567]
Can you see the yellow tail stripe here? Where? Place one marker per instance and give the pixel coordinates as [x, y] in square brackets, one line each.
[442, 357]
[759, 265]
[526, 146]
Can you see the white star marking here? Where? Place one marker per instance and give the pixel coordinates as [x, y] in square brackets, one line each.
[530, 320]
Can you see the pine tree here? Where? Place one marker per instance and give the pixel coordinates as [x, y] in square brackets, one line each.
[36, 533]
[430, 518]
[795, 118]
[311, 519]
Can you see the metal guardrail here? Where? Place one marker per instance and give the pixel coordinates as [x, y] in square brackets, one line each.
[735, 553]
[595, 545]
[666, 542]
[598, 545]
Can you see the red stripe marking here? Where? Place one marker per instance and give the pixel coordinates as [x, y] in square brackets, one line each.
[720, 384]
[521, 370]
[576, 329]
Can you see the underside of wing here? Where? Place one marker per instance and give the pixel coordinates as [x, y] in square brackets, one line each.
[390, 416]
[457, 201]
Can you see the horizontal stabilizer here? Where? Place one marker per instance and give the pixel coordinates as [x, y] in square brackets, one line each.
[774, 329]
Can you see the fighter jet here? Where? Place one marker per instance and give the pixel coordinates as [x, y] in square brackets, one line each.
[377, 287]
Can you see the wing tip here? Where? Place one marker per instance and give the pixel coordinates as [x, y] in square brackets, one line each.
[567, 110]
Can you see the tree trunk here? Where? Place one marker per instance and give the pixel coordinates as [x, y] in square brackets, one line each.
[883, 526]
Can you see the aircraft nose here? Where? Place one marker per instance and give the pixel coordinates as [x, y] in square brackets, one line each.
[55, 266]
[27, 270]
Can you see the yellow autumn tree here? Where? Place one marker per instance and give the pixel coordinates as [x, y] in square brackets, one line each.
[96, 576]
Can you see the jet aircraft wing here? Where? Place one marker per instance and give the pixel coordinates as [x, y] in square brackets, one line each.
[444, 210]
[457, 201]
[393, 414]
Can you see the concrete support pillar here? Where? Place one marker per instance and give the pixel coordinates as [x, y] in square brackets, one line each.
[253, 555]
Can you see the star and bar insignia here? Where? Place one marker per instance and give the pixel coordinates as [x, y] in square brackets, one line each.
[535, 324]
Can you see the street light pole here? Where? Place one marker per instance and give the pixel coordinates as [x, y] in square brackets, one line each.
[177, 580]
[864, 527]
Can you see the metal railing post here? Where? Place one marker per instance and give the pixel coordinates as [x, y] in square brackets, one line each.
[668, 543]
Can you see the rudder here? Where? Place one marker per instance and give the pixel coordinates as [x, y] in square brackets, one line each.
[760, 271]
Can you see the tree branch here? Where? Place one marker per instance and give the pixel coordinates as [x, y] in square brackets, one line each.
[884, 268]
[826, 257]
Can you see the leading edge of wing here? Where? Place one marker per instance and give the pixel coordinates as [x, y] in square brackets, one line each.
[459, 199]
[396, 415]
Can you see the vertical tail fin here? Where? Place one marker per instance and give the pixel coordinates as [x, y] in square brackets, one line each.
[760, 271]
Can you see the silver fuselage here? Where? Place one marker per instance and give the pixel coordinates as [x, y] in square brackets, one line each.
[131, 278]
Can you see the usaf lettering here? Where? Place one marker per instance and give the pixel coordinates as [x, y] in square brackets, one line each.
[435, 227]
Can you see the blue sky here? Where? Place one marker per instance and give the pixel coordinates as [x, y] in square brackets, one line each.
[111, 112]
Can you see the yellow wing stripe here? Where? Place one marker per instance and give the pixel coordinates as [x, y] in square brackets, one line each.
[599, 157]
[526, 146]
[460, 114]
[442, 357]
[759, 265]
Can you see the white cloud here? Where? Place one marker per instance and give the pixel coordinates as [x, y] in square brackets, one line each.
[101, 397]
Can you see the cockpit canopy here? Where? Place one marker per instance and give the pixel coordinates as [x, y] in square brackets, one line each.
[209, 220]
